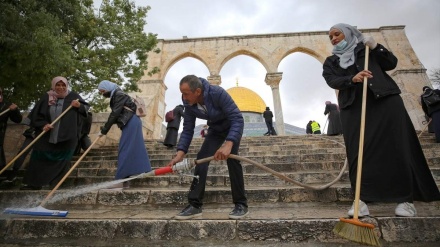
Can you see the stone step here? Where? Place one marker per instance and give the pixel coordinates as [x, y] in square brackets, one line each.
[217, 167]
[257, 146]
[107, 162]
[89, 177]
[281, 213]
[305, 224]
[91, 195]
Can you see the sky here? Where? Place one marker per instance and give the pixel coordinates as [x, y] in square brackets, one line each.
[303, 89]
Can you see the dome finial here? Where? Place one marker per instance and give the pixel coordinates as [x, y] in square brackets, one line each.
[236, 81]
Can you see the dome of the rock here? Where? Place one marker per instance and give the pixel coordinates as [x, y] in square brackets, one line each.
[247, 100]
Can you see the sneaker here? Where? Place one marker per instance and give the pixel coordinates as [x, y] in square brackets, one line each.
[405, 209]
[188, 213]
[239, 212]
[363, 210]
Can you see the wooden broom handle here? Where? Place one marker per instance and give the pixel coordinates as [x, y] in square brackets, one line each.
[68, 173]
[357, 193]
[3, 112]
[35, 140]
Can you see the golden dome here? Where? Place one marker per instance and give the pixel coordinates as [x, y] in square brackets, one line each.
[247, 100]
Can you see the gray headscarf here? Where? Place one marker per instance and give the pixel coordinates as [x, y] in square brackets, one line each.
[353, 37]
[108, 86]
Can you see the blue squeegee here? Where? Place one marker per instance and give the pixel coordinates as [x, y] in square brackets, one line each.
[37, 211]
[40, 210]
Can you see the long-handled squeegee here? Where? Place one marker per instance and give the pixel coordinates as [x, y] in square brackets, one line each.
[41, 211]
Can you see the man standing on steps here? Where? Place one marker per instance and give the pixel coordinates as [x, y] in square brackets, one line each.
[267, 115]
[213, 103]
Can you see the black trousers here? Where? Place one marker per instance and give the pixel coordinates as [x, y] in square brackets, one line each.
[269, 125]
[211, 144]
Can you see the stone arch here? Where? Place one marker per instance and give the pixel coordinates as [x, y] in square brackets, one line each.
[304, 50]
[232, 55]
[269, 50]
[180, 57]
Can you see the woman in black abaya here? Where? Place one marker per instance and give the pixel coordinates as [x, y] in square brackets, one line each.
[394, 166]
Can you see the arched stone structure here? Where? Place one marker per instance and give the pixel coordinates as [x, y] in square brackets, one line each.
[269, 50]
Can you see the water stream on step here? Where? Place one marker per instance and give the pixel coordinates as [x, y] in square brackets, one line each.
[62, 195]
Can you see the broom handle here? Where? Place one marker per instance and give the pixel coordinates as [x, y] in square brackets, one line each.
[68, 173]
[357, 194]
[3, 112]
[425, 128]
[35, 140]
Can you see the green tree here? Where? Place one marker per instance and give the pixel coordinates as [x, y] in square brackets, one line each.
[41, 39]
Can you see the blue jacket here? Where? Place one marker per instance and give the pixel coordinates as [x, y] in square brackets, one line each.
[223, 116]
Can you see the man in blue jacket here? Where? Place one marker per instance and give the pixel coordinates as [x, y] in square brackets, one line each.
[213, 103]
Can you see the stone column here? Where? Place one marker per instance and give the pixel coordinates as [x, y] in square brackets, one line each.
[273, 80]
[215, 79]
[153, 93]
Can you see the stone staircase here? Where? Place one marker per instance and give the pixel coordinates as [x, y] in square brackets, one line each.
[281, 213]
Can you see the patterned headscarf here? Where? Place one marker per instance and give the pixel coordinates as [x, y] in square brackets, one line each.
[53, 95]
[353, 37]
[108, 86]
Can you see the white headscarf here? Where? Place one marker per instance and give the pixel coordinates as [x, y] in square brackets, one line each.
[353, 37]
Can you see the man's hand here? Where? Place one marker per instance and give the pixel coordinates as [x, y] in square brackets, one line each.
[179, 157]
[224, 151]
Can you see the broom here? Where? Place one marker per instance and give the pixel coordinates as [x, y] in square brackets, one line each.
[40, 210]
[353, 229]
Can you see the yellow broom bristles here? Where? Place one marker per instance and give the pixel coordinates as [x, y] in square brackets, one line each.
[357, 231]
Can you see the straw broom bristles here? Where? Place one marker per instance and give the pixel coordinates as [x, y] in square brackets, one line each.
[357, 231]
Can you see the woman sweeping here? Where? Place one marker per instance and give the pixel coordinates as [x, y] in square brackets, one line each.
[52, 153]
[132, 154]
[394, 166]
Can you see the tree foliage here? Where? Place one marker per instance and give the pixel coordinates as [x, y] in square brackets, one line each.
[435, 77]
[41, 39]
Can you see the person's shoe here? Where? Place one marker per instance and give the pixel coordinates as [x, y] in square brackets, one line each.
[188, 213]
[363, 210]
[238, 212]
[30, 187]
[405, 209]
